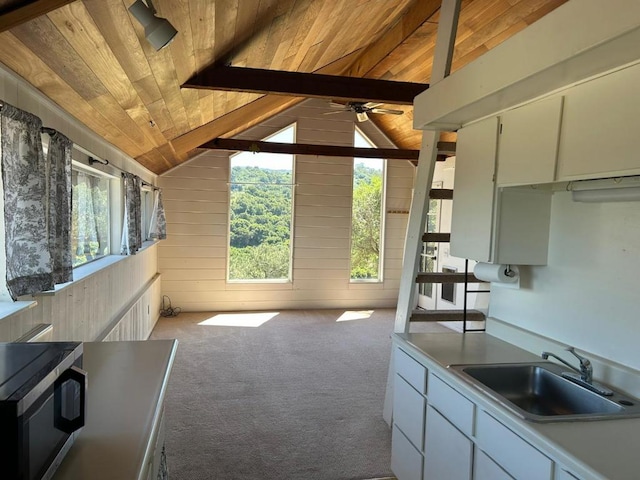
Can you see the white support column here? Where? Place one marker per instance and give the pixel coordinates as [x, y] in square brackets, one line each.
[447, 27]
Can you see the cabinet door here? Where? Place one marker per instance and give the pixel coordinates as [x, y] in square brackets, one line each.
[486, 469]
[473, 190]
[522, 226]
[510, 451]
[528, 145]
[564, 475]
[600, 127]
[406, 461]
[408, 411]
[448, 453]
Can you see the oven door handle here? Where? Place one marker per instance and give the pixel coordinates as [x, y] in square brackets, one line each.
[69, 425]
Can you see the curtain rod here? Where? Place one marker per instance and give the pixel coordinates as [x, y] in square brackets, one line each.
[106, 162]
[52, 131]
[49, 131]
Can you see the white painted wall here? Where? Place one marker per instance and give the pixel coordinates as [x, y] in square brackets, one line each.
[588, 294]
[193, 258]
[92, 307]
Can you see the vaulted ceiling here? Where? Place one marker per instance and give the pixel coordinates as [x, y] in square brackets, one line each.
[91, 58]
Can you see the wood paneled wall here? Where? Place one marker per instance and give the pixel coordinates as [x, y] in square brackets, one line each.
[89, 309]
[196, 197]
[85, 309]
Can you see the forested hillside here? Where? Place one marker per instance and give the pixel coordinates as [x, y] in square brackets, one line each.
[260, 226]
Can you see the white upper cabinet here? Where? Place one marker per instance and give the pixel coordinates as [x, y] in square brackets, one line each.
[600, 127]
[473, 190]
[509, 225]
[528, 145]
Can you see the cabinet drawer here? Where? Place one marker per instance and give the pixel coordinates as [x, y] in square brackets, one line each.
[453, 405]
[412, 371]
[486, 469]
[408, 411]
[406, 461]
[516, 456]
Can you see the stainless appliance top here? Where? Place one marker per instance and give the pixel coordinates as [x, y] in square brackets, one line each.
[24, 365]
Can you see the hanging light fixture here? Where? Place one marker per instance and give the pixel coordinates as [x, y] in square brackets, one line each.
[157, 30]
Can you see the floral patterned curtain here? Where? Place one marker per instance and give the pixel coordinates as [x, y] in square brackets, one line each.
[59, 207]
[158, 228]
[132, 225]
[29, 266]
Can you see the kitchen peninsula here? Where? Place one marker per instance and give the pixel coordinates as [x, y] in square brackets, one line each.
[123, 436]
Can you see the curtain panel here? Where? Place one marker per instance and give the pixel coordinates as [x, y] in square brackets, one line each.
[158, 228]
[132, 225]
[29, 266]
[59, 207]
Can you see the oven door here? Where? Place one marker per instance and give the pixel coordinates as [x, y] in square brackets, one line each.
[49, 424]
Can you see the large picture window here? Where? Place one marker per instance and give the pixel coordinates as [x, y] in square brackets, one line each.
[261, 203]
[90, 217]
[366, 214]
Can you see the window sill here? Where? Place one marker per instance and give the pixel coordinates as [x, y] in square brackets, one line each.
[10, 308]
[84, 271]
[88, 269]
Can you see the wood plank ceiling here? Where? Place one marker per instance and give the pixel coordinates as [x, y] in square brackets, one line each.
[91, 58]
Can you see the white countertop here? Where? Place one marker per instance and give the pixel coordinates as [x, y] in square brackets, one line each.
[127, 384]
[602, 449]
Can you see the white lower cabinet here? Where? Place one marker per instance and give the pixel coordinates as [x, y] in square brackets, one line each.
[441, 434]
[448, 453]
[484, 468]
[406, 461]
[510, 451]
[562, 474]
[408, 407]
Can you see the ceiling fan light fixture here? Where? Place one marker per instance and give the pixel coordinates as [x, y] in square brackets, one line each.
[157, 30]
[362, 116]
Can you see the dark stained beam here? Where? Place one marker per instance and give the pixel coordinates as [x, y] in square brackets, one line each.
[296, 84]
[233, 144]
[29, 11]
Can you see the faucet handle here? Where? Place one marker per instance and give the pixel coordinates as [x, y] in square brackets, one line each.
[585, 365]
[583, 361]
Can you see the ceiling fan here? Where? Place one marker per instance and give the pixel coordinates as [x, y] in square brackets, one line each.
[361, 109]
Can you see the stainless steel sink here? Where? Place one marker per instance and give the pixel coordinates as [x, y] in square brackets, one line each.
[537, 392]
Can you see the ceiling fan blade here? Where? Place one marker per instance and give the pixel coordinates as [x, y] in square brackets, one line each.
[362, 116]
[370, 105]
[334, 112]
[387, 110]
[334, 104]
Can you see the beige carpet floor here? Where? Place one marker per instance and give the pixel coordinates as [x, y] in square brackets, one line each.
[292, 395]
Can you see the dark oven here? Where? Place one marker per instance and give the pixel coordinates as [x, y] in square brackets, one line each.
[42, 406]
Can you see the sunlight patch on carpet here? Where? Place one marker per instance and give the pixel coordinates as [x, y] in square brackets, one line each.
[252, 320]
[355, 315]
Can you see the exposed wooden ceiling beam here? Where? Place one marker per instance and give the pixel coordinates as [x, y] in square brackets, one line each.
[29, 11]
[445, 149]
[358, 64]
[309, 149]
[297, 84]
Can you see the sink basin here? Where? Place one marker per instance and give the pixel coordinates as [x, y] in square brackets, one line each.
[537, 392]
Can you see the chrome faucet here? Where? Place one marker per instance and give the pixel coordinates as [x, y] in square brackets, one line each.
[586, 372]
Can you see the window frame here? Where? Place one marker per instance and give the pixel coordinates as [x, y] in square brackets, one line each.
[293, 184]
[113, 190]
[383, 202]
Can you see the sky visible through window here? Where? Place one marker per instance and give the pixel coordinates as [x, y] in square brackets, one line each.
[273, 161]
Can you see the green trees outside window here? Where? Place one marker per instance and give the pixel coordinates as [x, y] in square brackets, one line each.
[261, 198]
[90, 217]
[366, 214]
